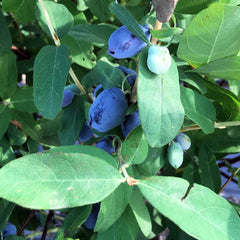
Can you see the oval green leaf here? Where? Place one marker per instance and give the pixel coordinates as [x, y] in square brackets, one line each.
[135, 147]
[51, 68]
[209, 37]
[60, 17]
[57, 180]
[199, 109]
[160, 109]
[192, 209]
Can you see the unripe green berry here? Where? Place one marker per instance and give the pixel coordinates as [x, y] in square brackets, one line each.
[175, 154]
[159, 59]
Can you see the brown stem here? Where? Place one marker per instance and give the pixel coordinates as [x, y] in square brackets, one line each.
[158, 26]
[49, 218]
[26, 222]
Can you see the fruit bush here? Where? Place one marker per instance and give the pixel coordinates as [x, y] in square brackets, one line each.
[113, 115]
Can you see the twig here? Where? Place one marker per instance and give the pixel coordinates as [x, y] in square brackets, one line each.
[229, 179]
[57, 43]
[158, 26]
[26, 222]
[220, 125]
[49, 218]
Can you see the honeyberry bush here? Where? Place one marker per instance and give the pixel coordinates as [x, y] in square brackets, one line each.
[129, 191]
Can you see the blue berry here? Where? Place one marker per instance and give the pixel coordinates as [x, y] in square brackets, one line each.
[106, 146]
[92, 218]
[132, 78]
[86, 133]
[123, 44]
[183, 140]
[9, 229]
[108, 110]
[159, 59]
[175, 154]
[68, 96]
[97, 90]
[130, 123]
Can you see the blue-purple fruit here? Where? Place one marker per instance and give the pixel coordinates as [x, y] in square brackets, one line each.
[108, 110]
[124, 44]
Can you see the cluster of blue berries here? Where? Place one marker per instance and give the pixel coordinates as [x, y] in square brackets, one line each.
[110, 105]
[176, 149]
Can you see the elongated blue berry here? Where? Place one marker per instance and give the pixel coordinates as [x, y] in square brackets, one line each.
[183, 140]
[108, 110]
[130, 123]
[123, 44]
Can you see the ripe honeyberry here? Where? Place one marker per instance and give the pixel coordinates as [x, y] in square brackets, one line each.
[133, 75]
[108, 110]
[86, 133]
[130, 123]
[92, 218]
[9, 229]
[159, 59]
[123, 44]
[175, 154]
[106, 146]
[183, 140]
[68, 94]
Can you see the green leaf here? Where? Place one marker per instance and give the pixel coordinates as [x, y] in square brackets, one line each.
[100, 8]
[226, 103]
[6, 209]
[6, 152]
[4, 119]
[140, 212]
[51, 68]
[225, 68]
[30, 126]
[234, 87]
[72, 121]
[16, 137]
[209, 170]
[192, 7]
[124, 228]
[8, 74]
[160, 109]
[23, 9]
[190, 78]
[22, 100]
[135, 147]
[188, 210]
[87, 150]
[105, 74]
[128, 20]
[5, 36]
[81, 52]
[153, 162]
[112, 207]
[57, 180]
[224, 140]
[82, 5]
[209, 31]
[60, 17]
[199, 109]
[74, 218]
[167, 34]
[95, 34]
